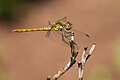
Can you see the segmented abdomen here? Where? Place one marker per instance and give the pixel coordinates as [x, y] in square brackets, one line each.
[32, 29]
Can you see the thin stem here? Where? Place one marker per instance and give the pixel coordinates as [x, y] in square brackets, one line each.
[81, 64]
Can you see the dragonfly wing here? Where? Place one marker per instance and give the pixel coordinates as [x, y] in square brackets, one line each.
[64, 19]
[82, 39]
[48, 34]
[56, 36]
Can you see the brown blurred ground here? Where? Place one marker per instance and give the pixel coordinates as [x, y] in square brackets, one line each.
[31, 57]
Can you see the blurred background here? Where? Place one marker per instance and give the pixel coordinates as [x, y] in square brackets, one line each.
[30, 56]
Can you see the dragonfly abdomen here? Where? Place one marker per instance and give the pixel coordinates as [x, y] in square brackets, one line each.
[33, 29]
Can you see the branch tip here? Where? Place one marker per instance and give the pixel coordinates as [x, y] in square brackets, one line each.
[48, 78]
[85, 48]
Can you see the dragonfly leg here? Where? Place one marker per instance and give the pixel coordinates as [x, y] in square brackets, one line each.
[66, 35]
[63, 37]
[71, 42]
[48, 32]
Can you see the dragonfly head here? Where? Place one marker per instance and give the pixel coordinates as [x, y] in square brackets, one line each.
[68, 26]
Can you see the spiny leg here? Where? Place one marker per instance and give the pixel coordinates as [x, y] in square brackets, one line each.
[48, 32]
[66, 34]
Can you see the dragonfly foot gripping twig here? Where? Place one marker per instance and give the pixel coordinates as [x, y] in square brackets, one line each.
[81, 64]
[71, 62]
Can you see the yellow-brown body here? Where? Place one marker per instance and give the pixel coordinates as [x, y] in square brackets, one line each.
[47, 28]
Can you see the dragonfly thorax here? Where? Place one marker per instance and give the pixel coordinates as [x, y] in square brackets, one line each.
[68, 26]
[64, 25]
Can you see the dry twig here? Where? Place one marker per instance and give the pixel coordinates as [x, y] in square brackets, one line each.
[81, 64]
[72, 60]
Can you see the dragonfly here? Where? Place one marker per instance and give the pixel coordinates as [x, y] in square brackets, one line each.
[62, 31]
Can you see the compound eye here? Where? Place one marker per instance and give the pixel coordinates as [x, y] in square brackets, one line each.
[68, 27]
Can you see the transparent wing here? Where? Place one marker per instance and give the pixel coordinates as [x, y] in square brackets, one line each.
[64, 19]
[56, 36]
[81, 39]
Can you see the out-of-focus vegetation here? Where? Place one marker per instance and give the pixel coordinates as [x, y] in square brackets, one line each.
[100, 72]
[117, 56]
[3, 72]
[8, 8]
